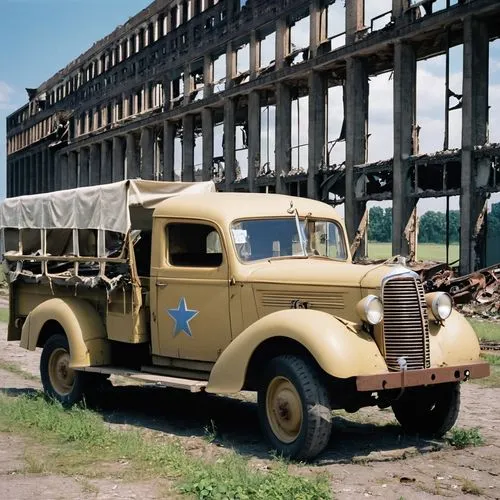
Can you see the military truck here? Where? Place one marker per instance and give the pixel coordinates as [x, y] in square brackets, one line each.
[225, 292]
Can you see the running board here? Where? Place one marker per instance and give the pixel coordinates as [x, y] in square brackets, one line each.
[159, 380]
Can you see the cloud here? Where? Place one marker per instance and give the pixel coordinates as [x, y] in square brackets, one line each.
[6, 94]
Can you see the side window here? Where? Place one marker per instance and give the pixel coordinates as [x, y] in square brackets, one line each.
[193, 245]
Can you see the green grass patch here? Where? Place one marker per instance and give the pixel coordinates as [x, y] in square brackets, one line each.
[88, 436]
[4, 315]
[462, 438]
[13, 368]
[425, 251]
[486, 330]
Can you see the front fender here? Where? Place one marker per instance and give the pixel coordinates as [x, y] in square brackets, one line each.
[340, 350]
[453, 343]
[82, 325]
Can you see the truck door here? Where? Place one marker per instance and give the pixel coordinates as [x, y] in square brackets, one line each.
[192, 293]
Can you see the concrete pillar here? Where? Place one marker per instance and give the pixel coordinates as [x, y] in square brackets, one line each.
[475, 173]
[188, 84]
[26, 179]
[84, 170]
[283, 159]
[106, 162]
[282, 42]
[254, 125]
[355, 18]
[95, 164]
[33, 173]
[188, 148]
[9, 189]
[44, 177]
[255, 59]
[207, 124]
[132, 170]
[53, 177]
[72, 180]
[405, 116]
[317, 131]
[169, 130]
[147, 154]
[167, 94]
[118, 173]
[231, 65]
[398, 8]
[317, 24]
[356, 116]
[230, 142]
[208, 75]
[61, 172]
[17, 187]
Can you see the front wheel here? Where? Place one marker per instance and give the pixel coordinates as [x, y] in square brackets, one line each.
[429, 410]
[59, 381]
[294, 407]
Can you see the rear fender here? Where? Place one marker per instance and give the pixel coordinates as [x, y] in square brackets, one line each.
[82, 325]
[340, 348]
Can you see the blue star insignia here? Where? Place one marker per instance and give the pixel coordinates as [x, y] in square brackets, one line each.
[182, 316]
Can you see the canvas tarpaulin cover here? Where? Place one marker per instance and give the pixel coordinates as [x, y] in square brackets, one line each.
[104, 207]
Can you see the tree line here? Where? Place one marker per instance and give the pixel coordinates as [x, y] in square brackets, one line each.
[432, 225]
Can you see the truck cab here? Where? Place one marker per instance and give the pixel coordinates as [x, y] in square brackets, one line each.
[223, 292]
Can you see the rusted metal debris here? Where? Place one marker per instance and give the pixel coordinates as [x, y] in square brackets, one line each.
[477, 293]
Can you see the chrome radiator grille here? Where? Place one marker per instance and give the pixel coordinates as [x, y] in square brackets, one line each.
[406, 328]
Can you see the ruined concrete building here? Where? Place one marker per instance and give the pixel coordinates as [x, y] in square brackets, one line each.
[146, 102]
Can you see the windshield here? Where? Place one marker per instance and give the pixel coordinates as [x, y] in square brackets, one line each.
[267, 238]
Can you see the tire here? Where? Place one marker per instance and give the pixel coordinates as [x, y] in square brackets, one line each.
[429, 410]
[294, 407]
[59, 381]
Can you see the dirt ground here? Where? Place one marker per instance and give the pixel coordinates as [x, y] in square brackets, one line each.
[368, 456]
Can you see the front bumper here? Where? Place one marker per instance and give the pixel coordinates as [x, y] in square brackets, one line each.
[427, 376]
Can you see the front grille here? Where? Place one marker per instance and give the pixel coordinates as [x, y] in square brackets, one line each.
[406, 328]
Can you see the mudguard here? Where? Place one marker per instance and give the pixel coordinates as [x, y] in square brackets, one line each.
[82, 325]
[454, 342]
[340, 348]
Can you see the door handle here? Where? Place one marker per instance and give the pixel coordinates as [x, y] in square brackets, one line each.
[159, 284]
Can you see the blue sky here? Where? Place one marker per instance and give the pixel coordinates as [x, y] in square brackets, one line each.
[39, 37]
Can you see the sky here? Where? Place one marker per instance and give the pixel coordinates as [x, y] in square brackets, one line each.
[39, 37]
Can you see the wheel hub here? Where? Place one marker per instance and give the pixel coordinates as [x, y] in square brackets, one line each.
[62, 377]
[284, 409]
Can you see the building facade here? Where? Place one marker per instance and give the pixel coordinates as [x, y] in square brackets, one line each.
[146, 102]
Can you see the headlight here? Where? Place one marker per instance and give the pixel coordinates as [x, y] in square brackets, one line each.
[370, 309]
[440, 305]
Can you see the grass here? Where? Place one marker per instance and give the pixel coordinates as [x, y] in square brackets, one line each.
[486, 330]
[87, 440]
[4, 315]
[425, 251]
[471, 488]
[13, 368]
[463, 438]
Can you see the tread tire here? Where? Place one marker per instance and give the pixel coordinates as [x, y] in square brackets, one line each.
[429, 410]
[316, 427]
[55, 342]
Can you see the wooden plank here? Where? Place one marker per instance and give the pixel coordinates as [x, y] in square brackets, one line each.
[161, 380]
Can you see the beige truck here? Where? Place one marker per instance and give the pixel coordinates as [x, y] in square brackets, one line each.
[224, 292]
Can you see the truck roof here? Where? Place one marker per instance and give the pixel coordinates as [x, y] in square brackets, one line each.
[227, 207]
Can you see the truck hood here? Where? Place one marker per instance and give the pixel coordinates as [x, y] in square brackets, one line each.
[317, 271]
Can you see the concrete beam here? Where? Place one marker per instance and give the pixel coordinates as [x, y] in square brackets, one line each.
[132, 168]
[169, 131]
[230, 142]
[147, 154]
[254, 131]
[474, 133]
[207, 123]
[356, 116]
[405, 117]
[106, 162]
[95, 164]
[317, 130]
[118, 173]
[187, 174]
[72, 180]
[283, 135]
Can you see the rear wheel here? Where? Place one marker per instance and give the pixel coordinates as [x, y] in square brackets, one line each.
[429, 410]
[60, 382]
[294, 407]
